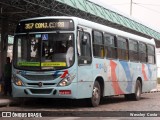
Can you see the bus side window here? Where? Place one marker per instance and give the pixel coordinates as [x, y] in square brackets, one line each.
[151, 54]
[142, 52]
[133, 50]
[122, 48]
[110, 46]
[98, 47]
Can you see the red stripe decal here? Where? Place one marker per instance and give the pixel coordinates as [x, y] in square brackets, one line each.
[143, 72]
[64, 74]
[115, 84]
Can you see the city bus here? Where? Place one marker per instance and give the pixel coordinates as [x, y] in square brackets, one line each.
[73, 58]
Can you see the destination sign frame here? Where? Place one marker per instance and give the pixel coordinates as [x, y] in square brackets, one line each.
[42, 25]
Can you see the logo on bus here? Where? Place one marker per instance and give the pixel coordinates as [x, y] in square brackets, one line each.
[40, 84]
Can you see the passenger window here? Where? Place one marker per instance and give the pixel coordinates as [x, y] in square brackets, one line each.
[98, 48]
[133, 50]
[142, 52]
[110, 46]
[122, 48]
[151, 54]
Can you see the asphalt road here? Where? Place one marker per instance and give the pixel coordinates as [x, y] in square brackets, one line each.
[115, 108]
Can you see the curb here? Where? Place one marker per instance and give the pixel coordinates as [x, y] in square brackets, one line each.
[6, 102]
[154, 91]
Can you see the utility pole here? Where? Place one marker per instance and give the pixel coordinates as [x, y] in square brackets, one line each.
[131, 8]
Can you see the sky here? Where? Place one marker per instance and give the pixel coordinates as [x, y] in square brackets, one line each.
[145, 11]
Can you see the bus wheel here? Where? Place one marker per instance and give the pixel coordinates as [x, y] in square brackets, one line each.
[137, 95]
[96, 95]
[138, 91]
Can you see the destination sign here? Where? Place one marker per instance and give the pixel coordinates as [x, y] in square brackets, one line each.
[44, 25]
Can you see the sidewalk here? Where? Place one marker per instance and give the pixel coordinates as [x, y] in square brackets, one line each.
[156, 89]
[7, 100]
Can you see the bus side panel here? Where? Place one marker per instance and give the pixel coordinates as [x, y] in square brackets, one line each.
[129, 73]
[114, 84]
[102, 69]
[85, 81]
[149, 74]
[115, 74]
[123, 82]
[108, 70]
[125, 77]
[120, 76]
[117, 83]
[136, 73]
[108, 86]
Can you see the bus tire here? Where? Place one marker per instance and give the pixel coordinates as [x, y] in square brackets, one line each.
[96, 95]
[138, 91]
[137, 95]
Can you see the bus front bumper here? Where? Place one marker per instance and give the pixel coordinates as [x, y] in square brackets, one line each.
[45, 92]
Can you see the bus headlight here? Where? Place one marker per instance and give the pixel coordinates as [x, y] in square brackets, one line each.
[17, 81]
[66, 81]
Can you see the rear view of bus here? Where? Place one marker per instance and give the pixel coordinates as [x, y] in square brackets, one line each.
[43, 62]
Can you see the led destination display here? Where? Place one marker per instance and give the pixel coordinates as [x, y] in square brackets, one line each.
[44, 25]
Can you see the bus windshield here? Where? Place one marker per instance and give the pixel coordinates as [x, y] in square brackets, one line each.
[50, 51]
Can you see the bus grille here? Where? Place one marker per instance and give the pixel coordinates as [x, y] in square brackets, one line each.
[41, 91]
[40, 77]
[36, 84]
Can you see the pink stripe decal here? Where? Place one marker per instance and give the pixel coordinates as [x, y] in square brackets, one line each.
[115, 84]
[143, 72]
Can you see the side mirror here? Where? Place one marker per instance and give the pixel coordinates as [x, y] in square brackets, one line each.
[84, 40]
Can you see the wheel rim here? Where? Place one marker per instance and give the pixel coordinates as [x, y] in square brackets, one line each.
[96, 94]
[138, 91]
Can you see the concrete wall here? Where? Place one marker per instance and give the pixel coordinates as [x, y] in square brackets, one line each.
[158, 64]
[158, 61]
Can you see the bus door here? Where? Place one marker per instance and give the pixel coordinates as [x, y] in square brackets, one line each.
[84, 61]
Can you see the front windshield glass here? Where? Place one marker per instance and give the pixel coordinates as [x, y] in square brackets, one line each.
[48, 51]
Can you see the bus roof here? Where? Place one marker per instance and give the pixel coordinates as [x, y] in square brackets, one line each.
[100, 27]
[114, 31]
